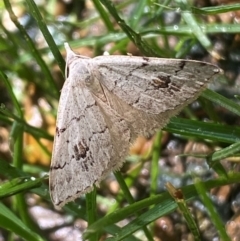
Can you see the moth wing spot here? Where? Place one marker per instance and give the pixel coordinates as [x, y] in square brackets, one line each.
[160, 82]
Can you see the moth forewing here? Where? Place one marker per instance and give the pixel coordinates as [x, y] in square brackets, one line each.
[105, 103]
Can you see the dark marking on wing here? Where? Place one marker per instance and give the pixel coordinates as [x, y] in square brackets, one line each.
[174, 88]
[59, 131]
[58, 166]
[164, 82]
[145, 63]
[67, 71]
[80, 150]
[146, 59]
[68, 178]
[161, 82]
[182, 63]
[51, 186]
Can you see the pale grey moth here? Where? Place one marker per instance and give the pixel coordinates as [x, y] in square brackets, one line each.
[106, 102]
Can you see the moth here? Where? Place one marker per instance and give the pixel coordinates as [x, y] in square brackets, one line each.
[105, 103]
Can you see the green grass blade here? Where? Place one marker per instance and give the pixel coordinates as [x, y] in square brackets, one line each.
[132, 35]
[104, 16]
[43, 27]
[211, 210]
[216, 9]
[33, 49]
[177, 195]
[222, 101]
[203, 130]
[9, 221]
[18, 185]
